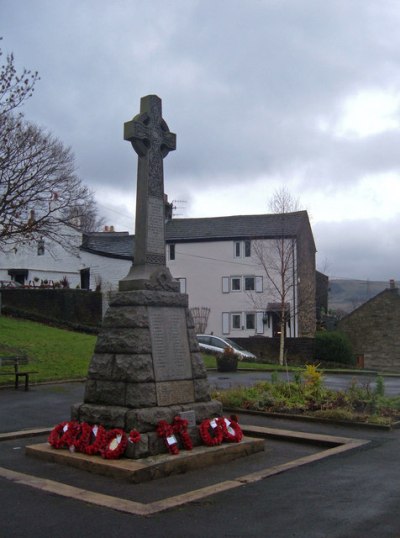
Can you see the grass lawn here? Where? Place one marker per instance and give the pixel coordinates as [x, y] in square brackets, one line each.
[54, 353]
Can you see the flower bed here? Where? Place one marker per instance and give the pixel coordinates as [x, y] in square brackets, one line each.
[307, 396]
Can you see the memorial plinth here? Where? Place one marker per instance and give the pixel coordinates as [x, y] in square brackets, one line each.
[147, 365]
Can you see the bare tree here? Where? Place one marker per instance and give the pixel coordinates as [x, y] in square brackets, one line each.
[15, 88]
[38, 182]
[86, 218]
[277, 258]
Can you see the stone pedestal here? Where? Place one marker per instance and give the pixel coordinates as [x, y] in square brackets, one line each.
[146, 367]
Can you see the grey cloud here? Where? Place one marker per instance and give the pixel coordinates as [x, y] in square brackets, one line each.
[364, 249]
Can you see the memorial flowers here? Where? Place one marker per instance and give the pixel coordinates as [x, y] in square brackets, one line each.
[63, 435]
[180, 426]
[115, 444]
[112, 444]
[166, 432]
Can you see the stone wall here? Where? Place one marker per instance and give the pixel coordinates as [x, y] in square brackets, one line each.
[373, 330]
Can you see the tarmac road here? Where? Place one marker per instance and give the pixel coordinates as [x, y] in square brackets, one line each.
[225, 380]
[353, 494]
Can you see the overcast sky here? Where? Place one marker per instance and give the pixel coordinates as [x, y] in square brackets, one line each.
[261, 93]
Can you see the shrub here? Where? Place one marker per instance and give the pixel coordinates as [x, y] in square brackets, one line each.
[333, 347]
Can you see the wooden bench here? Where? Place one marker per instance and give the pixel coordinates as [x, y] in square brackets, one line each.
[16, 362]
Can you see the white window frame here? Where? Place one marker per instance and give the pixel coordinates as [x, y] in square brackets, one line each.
[234, 314]
[237, 246]
[254, 321]
[245, 243]
[239, 278]
[254, 283]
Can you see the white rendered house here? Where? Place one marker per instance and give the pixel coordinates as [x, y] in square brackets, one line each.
[225, 265]
[215, 259]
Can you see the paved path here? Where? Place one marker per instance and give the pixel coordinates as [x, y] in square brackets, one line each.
[353, 494]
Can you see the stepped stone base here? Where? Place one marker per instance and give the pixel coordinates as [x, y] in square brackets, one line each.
[153, 467]
[147, 367]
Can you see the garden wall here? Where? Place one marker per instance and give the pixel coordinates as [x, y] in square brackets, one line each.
[78, 309]
[299, 350]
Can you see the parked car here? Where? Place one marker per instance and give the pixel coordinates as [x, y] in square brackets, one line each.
[216, 345]
[9, 284]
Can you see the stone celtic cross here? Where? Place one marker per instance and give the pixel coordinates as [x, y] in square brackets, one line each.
[152, 141]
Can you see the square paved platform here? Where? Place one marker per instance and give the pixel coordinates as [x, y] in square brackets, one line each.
[152, 467]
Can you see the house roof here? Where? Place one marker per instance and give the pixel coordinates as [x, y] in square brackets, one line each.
[110, 244]
[121, 245]
[236, 227]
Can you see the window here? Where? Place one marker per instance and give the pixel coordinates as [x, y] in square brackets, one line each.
[250, 321]
[236, 321]
[172, 252]
[242, 248]
[249, 283]
[237, 251]
[40, 247]
[235, 283]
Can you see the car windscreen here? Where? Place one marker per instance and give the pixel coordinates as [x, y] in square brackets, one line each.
[234, 345]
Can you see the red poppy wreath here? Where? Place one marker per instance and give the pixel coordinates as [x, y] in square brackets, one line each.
[115, 445]
[63, 435]
[211, 431]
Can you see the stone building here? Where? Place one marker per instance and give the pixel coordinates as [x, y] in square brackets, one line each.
[373, 330]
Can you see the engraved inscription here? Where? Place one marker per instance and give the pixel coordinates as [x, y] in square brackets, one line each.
[174, 392]
[190, 416]
[170, 346]
[155, 226]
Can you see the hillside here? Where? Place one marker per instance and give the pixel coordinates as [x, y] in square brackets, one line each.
[347, 295]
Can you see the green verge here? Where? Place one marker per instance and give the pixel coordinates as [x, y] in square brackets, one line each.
[54, 353]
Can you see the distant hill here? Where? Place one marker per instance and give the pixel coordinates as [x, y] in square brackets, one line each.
[347, 295]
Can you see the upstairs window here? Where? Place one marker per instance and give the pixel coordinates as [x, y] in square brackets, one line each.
[172, 252]
[237, 250]
[242, 249]
[40, 247]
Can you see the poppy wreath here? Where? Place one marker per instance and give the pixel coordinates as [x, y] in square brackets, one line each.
[82, 437]
[115, 444]
[63, 435]
[179, 427]
[97, 440]
[232, 432]
[211, 431]
[166, 431]
[134, 436]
